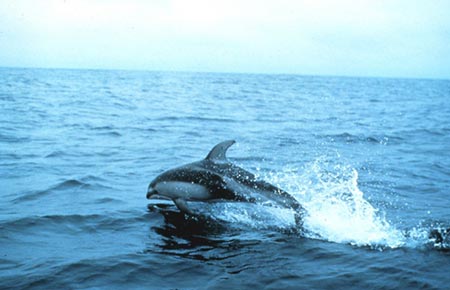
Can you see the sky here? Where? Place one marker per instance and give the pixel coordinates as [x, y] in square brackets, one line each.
[380, 38]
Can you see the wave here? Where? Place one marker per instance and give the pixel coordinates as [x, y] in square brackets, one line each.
[111, 133]
[75, 222]
[56, 154]
[123, 270]
[13, 139]
[422, 132]
[87, 182]
[196, 118]
[106, 127]
[351, 138]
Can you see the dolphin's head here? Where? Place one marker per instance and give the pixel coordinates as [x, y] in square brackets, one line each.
[179, 183]
[152, 192]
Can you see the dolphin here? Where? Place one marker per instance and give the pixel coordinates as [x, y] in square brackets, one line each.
[215, 178]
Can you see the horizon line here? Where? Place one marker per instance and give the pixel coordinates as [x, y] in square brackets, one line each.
[228, 72]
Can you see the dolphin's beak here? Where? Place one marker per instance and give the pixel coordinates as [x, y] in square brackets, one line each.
[153, 194]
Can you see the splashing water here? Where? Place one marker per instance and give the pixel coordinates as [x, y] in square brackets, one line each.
[337, 211]
[336, 208]
[256, 216]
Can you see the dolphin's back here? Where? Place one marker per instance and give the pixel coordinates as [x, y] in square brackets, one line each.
[233, 174]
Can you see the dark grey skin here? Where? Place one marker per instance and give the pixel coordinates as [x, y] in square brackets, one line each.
[215, 178]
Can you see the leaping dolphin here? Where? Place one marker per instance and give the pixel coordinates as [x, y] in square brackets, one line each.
[215, 178]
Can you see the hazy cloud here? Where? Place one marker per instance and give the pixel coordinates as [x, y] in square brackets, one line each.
[373, 38]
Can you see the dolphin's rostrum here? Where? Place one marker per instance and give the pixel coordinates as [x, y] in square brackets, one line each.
[215, 178]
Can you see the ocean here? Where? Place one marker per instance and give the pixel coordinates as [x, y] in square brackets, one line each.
[368, 159]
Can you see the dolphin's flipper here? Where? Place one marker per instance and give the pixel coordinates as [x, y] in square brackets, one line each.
[218, 152]
[182, 205]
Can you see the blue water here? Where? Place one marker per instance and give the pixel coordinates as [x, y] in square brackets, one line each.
[368, 158]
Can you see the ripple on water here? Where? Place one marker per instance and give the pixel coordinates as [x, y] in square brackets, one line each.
[85, 183]
[73, 223]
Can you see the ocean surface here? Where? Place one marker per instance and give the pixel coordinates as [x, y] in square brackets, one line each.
[368, 158]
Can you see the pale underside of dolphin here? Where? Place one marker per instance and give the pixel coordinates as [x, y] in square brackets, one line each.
[215, 178]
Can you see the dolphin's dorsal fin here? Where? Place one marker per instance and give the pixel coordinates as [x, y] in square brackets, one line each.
[218, 152]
